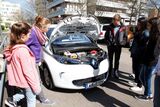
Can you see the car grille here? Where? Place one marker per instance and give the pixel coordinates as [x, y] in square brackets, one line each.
[81, 82]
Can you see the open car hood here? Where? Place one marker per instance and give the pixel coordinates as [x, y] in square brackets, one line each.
[73, 24]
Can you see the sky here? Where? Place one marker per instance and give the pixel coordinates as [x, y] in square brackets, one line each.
[157, 2]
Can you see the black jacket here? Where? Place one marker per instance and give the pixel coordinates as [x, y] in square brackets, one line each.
[119, 38]
[139, 45]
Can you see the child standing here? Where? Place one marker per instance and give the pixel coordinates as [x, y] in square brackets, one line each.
[21, 66]
[35, 43]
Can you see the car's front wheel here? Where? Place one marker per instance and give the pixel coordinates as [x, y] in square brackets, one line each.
[46, 76]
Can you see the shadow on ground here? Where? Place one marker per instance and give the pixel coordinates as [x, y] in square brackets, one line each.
[95, 94]
[98, 95]
[123, 80]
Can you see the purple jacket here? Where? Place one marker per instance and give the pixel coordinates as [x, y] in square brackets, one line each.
[35, 46]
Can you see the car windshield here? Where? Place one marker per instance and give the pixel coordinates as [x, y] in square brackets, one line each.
[50, 30]
[74, 38]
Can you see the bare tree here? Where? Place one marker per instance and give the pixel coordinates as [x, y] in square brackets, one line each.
[0, 18]
[86, 6]
[82, 7]
[91, 6]
[137, 7]
[19, 17]
[133, 9]
[155, 4]
[40, 7]
[0, 25]
[23, 17]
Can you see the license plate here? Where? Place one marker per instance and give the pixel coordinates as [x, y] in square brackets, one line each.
[93, 84]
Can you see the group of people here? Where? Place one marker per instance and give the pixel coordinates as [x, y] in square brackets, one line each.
[24, 56]
[145, 53]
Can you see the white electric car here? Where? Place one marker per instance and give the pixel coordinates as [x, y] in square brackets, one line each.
[72, 59]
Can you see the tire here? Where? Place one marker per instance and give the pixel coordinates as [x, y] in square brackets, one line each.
[46, 77]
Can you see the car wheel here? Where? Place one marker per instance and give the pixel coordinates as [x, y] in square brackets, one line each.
[46, 77]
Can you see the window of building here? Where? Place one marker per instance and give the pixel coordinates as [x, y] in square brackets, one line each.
[109, 9]
[49, 1]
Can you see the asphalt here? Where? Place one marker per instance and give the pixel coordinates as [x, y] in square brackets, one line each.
[113, 93]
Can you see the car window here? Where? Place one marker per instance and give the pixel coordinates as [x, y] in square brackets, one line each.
[49, 32]
[105, 27]
[72, 39]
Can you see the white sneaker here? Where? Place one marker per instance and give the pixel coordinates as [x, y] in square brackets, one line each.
[132, 83]
[132, 76]
[136, 88]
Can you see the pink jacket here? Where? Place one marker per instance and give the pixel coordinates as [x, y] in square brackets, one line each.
[21, 68]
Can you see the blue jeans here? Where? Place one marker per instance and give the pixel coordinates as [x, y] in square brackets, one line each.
[40, 96]
[145, 77]
[30, 96]
[156, 101]
[142, 75]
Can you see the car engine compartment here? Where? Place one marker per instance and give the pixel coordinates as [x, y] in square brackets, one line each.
[92, 57]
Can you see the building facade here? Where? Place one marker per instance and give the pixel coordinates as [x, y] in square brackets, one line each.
[104, 10]
[9, 12]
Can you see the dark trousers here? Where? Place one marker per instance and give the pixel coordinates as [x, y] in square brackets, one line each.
[114, 51]
[137, 67]
[156, 101]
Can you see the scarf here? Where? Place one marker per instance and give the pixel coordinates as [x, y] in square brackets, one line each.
[41, 37]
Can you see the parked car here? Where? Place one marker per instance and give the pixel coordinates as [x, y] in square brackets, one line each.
[72, 59]
[102, 31]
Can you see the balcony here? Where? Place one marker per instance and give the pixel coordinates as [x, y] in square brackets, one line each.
[64, 11]
[76, 1]
[70, 12]
[56, 13]
[57, 2]
[54, 3]
[110, 14]
[112, 4]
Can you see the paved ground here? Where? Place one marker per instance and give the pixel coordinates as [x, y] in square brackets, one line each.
[114, 93]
